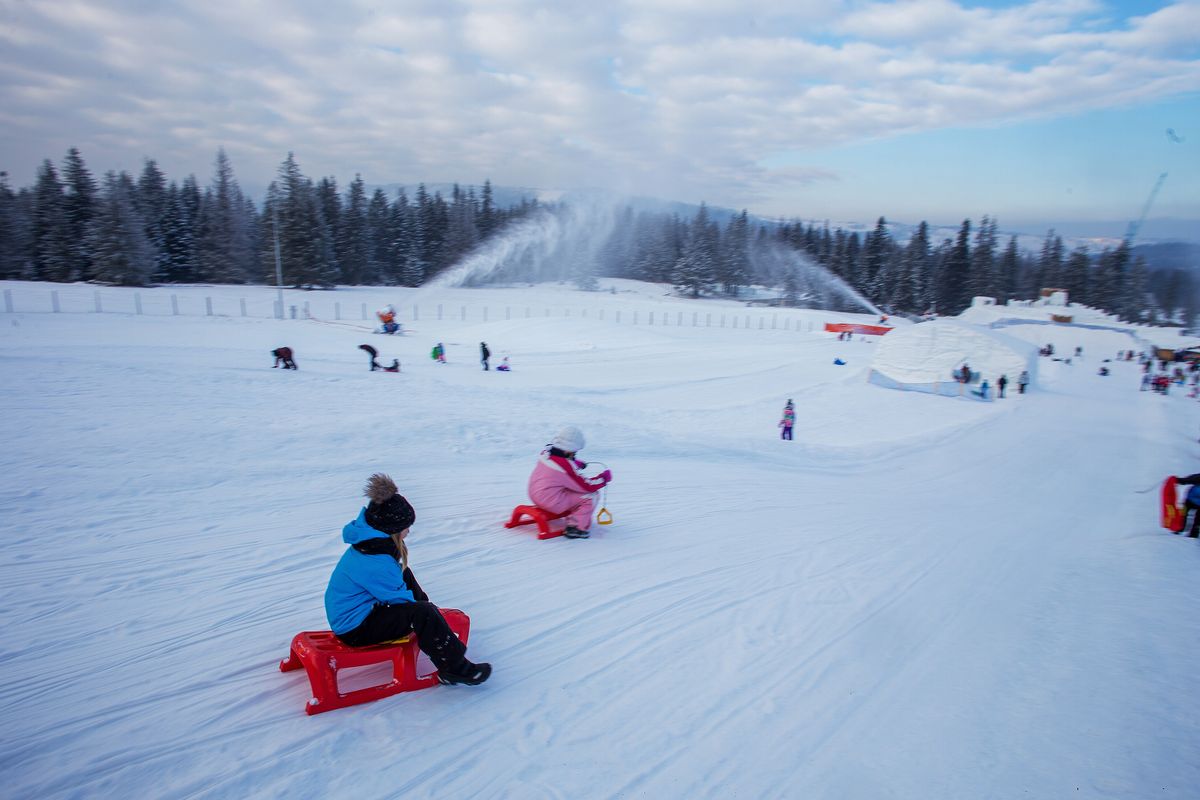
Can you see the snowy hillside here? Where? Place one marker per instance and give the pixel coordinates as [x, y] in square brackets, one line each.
[919, 597]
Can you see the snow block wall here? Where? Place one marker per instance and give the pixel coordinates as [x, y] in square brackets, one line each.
[926, 357]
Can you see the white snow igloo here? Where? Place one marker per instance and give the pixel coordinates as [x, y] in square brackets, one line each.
[928, 356]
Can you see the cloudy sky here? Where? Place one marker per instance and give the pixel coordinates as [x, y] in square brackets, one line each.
[920, 109]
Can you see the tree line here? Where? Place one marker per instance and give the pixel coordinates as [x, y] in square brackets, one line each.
[147, 230]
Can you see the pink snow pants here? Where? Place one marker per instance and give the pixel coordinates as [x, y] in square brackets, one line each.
[556, 500]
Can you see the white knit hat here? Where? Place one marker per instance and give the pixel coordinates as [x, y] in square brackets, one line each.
[569, 439]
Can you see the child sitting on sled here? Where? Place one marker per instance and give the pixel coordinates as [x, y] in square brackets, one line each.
[374, 597]
[557, 486]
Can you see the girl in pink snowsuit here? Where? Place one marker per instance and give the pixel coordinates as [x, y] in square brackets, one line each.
[557, 486]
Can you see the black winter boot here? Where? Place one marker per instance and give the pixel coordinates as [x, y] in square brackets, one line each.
[571, 532]
[468, 673]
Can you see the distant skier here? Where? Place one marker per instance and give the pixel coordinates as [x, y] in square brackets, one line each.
[484, 355]
[374, 597]
[557, 486]
[1001, 382]
[283, 355]
[438, 353]
[1022, 381]
[789, 419]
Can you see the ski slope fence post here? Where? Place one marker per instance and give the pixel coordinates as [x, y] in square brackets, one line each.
[485, 314]
[97, 296]
[635, 316]
[337, 310]
[8, 306]
[416, 313]
[307, 313]
[208, 307]
[439, 312]
[54, 301]
[174, 306]
[679, 320]
[243, 304]
[364, 310]
[464, 313]
[618, 316]
[137, 303]
[651, 315]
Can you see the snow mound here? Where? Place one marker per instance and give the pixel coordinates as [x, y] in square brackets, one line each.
[926, 357]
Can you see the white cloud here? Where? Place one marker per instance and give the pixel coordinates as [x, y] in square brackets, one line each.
[653, 95]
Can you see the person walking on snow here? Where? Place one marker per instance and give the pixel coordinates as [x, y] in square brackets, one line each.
[438, 353]
[789, 419]
[374, 597]
[557, 486]
[484, 355]
[1191, 504]
[1001, 382]
[1022, 381]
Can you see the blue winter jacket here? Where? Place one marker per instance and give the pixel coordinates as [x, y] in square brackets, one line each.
[360, 581]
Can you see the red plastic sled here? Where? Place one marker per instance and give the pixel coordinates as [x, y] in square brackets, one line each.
[322, 654]
[1173, 515]
[537, 515]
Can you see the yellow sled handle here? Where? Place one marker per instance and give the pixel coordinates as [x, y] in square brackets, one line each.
[604, 518]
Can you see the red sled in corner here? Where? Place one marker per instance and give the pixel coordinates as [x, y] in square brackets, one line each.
[1173, 516]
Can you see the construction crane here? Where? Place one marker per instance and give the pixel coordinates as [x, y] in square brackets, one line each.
[1136, 226]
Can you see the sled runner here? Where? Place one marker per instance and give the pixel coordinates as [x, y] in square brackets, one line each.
[1173, 516]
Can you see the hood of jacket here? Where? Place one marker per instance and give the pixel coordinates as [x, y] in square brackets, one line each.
[359, 531]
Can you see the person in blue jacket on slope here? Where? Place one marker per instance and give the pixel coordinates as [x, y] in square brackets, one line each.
[374, 597]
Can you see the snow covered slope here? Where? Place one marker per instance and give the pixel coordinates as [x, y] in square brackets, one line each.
[919, 597]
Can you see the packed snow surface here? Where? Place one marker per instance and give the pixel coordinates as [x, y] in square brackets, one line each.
[919, 597]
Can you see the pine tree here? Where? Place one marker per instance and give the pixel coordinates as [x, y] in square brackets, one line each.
[695, 270]
[1008, 271]
[52, 255]
[917, 291]
[379, 236]
[875, 254]
[406, 243]
[118, 247]
[79, 201]
[955, 284]
[351, 236]
[16, 240]
[224, 243]
[734, 270]
[983, 280]
[151, 203]
[1076, 276]
[1050, 263]
[488, 223]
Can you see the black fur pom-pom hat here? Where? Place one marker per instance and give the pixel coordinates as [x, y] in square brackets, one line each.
[388, 511]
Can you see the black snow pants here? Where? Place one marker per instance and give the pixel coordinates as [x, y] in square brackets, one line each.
[394, 621]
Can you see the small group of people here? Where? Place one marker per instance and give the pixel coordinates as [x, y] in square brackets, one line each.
[374, 597]
[372, 353]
